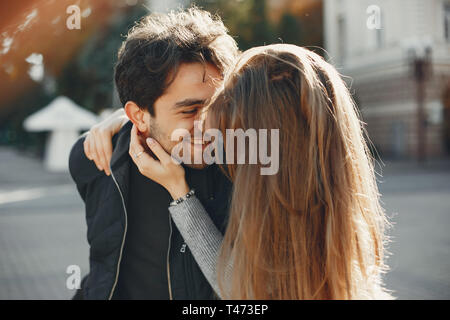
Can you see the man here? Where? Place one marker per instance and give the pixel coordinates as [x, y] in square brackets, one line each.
[167, 68]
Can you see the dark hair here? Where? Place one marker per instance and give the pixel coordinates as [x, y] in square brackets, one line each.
[149, 58]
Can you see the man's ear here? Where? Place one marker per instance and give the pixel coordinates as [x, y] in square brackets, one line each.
[137, 116]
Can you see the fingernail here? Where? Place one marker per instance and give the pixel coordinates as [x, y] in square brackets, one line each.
[150, 141]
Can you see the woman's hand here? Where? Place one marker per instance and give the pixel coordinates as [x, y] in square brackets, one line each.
[98, 142]
[163, 170]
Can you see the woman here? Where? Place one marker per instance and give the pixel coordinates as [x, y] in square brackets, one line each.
[315, 229]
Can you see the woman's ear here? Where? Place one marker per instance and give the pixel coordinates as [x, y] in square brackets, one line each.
[137, 116]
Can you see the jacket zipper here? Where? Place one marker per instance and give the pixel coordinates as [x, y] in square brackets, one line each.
[167, 259]
[123, 239]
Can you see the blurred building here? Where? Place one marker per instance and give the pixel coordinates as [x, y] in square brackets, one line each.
[165, 5]
[376, 43]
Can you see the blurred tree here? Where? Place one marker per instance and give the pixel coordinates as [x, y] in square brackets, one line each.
[303, 29]
[12, 131]
[246, 20]
[88, 79]
[289, 29]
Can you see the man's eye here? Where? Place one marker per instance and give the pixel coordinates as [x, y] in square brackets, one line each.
[192, 111]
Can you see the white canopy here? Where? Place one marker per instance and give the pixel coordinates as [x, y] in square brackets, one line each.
[64, 119]
[61, 114]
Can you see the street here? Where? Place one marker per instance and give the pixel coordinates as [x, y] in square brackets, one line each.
[418, 202]
[42, 229]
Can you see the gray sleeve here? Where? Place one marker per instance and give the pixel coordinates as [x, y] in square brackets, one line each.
[201, 235]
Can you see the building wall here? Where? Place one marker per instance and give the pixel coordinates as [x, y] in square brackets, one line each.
[380, 75]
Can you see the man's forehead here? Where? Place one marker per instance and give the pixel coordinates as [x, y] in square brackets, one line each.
[194, 74]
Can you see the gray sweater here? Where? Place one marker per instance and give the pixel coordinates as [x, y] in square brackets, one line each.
[202, 237]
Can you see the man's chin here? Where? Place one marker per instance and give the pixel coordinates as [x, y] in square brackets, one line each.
[197, 152]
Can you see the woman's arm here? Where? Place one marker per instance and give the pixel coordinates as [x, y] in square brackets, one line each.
[200, 234]
[98, 140]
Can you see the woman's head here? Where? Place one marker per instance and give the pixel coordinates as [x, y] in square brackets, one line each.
[315, 228]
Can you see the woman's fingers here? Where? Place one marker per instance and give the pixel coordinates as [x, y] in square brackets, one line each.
[98, 154]
[108, 149]
[103, 142]
[135, 146]
[98, 142]
[136, 149]
[93, 150]
[87, 150]
[145, 163]
[148, 166]
[160, 153]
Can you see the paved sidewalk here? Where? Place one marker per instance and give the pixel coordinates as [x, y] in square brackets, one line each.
[42, 229]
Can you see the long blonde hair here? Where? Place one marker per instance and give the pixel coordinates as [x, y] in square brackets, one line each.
[314, 230]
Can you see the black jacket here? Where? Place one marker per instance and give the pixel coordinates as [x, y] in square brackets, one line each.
[105, 199]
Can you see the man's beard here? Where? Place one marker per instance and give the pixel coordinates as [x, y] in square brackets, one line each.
[167, 144]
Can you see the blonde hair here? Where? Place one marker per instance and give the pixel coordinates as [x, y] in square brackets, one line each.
[314, 230]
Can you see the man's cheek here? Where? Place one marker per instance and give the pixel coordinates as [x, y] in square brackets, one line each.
[187, 124]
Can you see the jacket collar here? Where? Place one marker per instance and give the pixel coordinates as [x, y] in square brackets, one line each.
[120, 160]
[121, 142]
